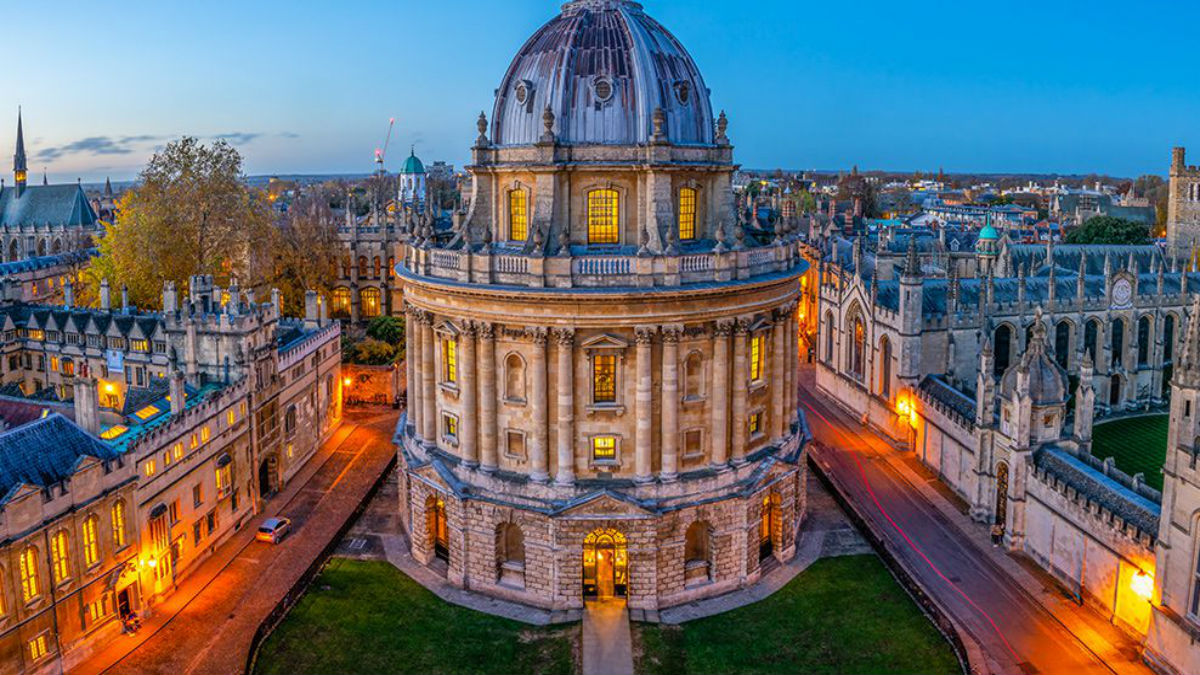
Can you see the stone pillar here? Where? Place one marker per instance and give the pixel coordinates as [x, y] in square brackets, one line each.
[412, 355]
[487, 397]
[778, 381]
[540, 451]
[792, 397]
[469, 428]
[428, 382]
[566, 406]
[720, 393]
[740, 375]
[645, 405]
[670, 404]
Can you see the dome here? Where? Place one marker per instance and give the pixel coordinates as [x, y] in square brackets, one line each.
[988, 233]
[602, 67]
[413, 165]
[1047, 381]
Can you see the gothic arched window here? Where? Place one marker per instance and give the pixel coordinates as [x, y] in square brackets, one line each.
[1062, 343]
[1117, 342]
[885, 367]
[1143, 340]
[371, 302]
[1169, 338]
[1003, 348]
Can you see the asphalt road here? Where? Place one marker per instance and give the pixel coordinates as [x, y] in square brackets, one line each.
[1014, 629]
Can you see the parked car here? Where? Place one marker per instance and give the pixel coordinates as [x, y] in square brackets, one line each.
[273, 530]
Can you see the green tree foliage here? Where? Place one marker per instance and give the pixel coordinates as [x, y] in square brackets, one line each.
[1109, 230]
[368, 352]
[302, 250]
[387, 329]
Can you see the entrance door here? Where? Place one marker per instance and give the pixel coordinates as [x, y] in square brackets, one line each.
[266, 477]
[766, 545]
[435, 509]
[124, 604]
[1002, 495]
[605, 574]
[605, 565]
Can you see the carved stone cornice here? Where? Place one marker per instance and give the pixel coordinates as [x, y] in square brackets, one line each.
[565, 337]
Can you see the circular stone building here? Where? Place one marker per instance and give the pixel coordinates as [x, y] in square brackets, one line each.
[602, 351]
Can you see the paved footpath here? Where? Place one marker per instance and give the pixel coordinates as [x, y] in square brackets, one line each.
[1020, 620]
[607, 643]
[206, 626]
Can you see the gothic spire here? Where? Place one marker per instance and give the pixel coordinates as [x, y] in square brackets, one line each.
[912, 266]
[20, 167]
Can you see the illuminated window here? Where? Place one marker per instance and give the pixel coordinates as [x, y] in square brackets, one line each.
[371, 303]
[604, 449]
[30, 586]
[756, 424]
[60, 556]
[205, 434]
[54, 364]
[450, 427]
[341, 302]
[68, 367]
[603, 213]
[758, 356]
[177, 450]
[118, 524]
[147, 412]
[230, 418]
[151, 468]
[139, 345]
[687, 214]
[224, 478]
[194, 442]
[518, 215]
[450, 361]
[113, 432]
[37, 647]
[604, 378]
[91, 542]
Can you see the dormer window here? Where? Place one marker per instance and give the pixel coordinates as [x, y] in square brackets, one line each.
[603, 213]
[683, 92]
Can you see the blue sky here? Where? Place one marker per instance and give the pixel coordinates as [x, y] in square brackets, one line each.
[308, 87]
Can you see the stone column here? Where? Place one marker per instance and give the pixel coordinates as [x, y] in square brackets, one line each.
[566, 406]
[540, 451]
[740, 375]
[645, 404]
[468, 442]
[412, 356]
[670, 404]
[487, 396]
[778, 381]
[428, 382]
[792, 397]
[720, 393]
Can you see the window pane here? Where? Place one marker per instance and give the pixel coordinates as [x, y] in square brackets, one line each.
[603, 211]
[604, 378]
[450, 353]
[687, 214]
[518, 216]
[604, 447]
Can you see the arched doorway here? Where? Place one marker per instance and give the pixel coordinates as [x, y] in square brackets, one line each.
[268, 476]
[1114, 391]
[605, 565]
[438, 533]
[1002, 495]
[768, 524]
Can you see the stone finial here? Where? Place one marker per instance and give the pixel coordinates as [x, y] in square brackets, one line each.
[722, 129]
[660, 125]
[564, 242]
[548, 123]
[720, 237]
[482, 125]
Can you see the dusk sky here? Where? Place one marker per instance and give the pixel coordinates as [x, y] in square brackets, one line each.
[308, 87]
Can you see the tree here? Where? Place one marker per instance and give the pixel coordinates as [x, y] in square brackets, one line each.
[1109, 230]
[189, 214]
[387, 329]
[304, 248]
[368, 352]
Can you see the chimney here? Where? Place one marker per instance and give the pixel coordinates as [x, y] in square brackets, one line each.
[124, 299]
[312, 317]
[277, 300]
[105, 295]
[170, 298]
[178, 394]
[87, 403]
[68, 294]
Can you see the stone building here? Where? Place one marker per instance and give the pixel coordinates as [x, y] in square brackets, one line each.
[603, 398]
[1183, 207]
[140, 441]
[366, 286]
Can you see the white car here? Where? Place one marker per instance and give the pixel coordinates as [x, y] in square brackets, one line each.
[273, 530]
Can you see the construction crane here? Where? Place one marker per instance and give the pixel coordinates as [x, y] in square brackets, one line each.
[381, 155]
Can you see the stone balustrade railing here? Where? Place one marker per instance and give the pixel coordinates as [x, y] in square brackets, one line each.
[600, 270]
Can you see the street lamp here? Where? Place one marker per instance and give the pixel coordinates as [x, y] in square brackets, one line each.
[1142, 585]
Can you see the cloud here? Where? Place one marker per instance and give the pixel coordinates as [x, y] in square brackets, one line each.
[96, 145]
[289, 134]
[239, 137]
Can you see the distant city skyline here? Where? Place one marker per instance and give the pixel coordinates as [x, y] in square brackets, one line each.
[308, 88]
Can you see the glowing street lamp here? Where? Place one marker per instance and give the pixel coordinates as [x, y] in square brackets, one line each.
[1142, 585]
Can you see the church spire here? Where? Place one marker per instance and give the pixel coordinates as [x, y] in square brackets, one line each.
[20, 168]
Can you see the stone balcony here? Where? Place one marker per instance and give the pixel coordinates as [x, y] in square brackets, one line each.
[590, 268]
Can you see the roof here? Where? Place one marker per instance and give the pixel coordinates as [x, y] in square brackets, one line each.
[55, 205]
[413, 165]
[1106, 490]
[45, 452]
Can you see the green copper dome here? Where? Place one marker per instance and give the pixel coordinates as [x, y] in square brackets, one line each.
[413, 165]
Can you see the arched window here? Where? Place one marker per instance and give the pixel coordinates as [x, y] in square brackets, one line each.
[60, 556]
[289, 420]
[829, 337]
[118, 524]
[1062, 343]
[518, 215]
[510, 544]
[514, 378]
[341, 302]
[1091, 338]
[885, 367]
[41, 247]
[858, 348]
[697, 554]
[1169, 338]
[693, 376]
[30, 583]
[362, 267]
[91, 541]
[1143, 340]
[1003, 347]
[346, 267]
[1117, 342]
[391, 270]
[687, 214]
[371, 302]
[14, 252]
[603, 217]
[378, 267]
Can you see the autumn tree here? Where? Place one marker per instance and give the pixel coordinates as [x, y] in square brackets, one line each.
[190, 213]
[304, 249]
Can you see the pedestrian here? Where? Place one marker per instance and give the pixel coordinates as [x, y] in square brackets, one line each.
[997, 534]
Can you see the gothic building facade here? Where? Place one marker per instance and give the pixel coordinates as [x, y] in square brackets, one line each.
[603, 399]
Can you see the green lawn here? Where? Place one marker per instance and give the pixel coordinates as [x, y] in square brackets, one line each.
[368, 617]
[1138, 444]
[842, 615]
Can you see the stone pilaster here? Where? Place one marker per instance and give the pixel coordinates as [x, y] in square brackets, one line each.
[670, 404]
[740, 377]
[428, 382]
[540, 403]
[566, 406]
[412, 356]
[645, 404]
[469, 427]
[778, 379]
[487, 397]
[720, 393]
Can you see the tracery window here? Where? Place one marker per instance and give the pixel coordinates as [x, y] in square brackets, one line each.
[341, 302]
[371, 303]
[30, 585]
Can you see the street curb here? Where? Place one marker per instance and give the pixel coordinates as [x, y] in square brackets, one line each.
[970, 655]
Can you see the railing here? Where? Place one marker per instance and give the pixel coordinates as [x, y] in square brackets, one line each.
[696, 263]
[446, 259]
[602, 266]
[512, 264]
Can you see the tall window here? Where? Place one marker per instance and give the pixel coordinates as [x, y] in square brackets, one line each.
[687, 214]
[603, 209]
[30, 587]
[362, 267]
[1003, 349]
[118, 520]
[60, 556]
[518, 215]
[1091, 335]
[1117, 343]
[341, 302]
[1196, 585]
[604, 449]
[858, 349]
[604, 378]
[378, 266]
[91, 542]
[885, 367]
[1168, 338]
[1143, 340]
[758, 356]
[1062, 343]
[370, 303]
[450, 361]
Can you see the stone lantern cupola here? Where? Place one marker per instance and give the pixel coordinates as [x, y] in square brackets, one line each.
[1034, 395]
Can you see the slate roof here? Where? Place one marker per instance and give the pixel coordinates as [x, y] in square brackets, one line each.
[45, 261]
[1033, 256]
[45, 452]
[1112, 494]
[937, 389]
[57, 205]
